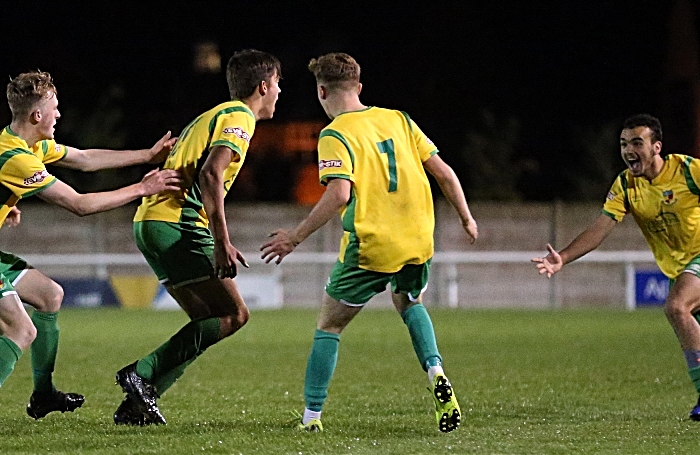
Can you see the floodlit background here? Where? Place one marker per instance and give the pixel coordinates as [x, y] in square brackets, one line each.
[524, 100]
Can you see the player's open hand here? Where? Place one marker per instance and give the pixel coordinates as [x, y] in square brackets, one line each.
[225, 258]
[13, 217]
[280, 245]
[549, 264]
[161, 180]
[160, 151]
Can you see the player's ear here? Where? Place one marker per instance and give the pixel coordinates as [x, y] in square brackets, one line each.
[322, 92]
[359, 88]
[262, 88]
[35, 116]
[657, 147]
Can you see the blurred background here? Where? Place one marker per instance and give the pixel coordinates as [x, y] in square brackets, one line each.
[525, 100]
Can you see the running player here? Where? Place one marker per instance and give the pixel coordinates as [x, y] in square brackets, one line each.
[25, 146]
[185, 239]
[373, 163]
[661, 194]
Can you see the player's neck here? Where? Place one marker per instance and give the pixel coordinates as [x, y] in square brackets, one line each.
[344, 104]
[26, 131]
[656, 168]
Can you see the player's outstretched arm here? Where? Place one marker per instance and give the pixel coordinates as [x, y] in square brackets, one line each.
[585, 242]
[96, 159]
[452, 189]
[211, 179]
[282, 243]
[86, 204]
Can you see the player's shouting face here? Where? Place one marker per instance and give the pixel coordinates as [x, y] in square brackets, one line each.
[638, 151]
[45, 115]
[270, 97]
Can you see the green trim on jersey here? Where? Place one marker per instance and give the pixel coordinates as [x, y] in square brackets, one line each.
[359, 110]
[39, 190]
[5, 156]
[434, 152]
[11, 132]
[606, 213]
[228, 110]
[408, 119]
[348, 221]
[341, 138]
[692, 186]
[352, 252]
[228, 144]
[623, 181]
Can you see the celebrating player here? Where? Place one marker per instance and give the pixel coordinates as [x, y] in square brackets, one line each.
[25, 146]
[661, 193]
[373, 163]
[195, 264]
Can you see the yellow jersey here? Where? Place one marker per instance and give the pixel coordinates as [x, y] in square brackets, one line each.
[666, 209]
[231, 124]
[22, 170]
[389, 220]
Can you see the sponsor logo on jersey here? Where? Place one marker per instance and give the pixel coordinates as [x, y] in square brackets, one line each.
[238, 132]
[57, 148]
[668, 197]
[37, 177]
[323, 164]
[427, 139]
[610, 196]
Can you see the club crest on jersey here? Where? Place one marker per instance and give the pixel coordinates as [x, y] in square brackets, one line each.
[323, 164]
[668, 197]
[37, 177]
[238, 132]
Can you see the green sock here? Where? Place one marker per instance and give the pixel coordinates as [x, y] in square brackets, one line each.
[320, 368]
[695, 376]
[44, 350]
[165, 381]
[179, 351]
[9, 355]
[420, 327]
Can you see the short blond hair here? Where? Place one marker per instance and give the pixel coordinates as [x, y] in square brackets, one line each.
[335, 70]
[28, 89]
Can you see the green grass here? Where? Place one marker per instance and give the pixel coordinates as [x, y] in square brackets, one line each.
[529, 382]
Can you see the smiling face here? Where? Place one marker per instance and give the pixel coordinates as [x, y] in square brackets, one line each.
[640, 153]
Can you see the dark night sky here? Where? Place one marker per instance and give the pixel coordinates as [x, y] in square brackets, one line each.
[554, 66]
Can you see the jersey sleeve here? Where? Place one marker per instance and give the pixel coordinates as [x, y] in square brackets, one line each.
[233, 130]
[426, 147]
[335, 158]
[25, 175]
[616, 206]
[52, 151]
[692, 174]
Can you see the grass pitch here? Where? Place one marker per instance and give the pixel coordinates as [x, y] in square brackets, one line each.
[528, 382]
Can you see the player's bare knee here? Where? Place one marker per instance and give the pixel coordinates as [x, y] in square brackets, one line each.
[22, 334]
[676, 309]
[232, 323]
[56, 297]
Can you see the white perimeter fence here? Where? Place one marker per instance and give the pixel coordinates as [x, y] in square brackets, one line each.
[480, 279]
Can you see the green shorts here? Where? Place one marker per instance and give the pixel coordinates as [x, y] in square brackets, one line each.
[12, 268]
[178, 254]
[354, 286]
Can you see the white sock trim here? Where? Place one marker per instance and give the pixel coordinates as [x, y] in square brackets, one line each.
[432, 371]
[310, 415]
